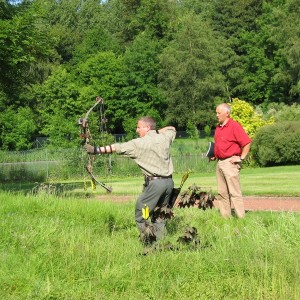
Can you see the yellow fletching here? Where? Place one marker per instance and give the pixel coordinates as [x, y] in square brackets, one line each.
[93, 185]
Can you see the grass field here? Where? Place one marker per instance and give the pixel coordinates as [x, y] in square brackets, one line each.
[58, 242]
[66, 248]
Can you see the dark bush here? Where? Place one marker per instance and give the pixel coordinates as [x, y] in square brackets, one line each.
[277, 144]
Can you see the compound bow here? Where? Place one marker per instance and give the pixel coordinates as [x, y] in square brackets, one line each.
[86, 137]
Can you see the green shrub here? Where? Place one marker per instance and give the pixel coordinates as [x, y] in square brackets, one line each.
[282, 112]
[277, 144]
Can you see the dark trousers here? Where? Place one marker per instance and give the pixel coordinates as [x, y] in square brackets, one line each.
[156, 192]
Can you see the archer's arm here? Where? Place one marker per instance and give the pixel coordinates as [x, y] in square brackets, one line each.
[99, 150]
[106, 149]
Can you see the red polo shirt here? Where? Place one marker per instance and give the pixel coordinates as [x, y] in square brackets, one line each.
[230, 139]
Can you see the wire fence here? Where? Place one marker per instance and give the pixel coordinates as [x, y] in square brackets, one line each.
[46, 165]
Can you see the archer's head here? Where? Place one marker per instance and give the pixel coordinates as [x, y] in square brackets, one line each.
[144, 125]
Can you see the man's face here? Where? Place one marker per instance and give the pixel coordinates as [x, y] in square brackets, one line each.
[142, 128]
[222, 114]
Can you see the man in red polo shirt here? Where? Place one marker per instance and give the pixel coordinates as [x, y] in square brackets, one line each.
[232, 145]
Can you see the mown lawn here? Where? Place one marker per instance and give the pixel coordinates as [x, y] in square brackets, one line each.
[276, 181]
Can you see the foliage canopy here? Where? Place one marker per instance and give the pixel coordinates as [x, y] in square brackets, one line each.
[174, 60]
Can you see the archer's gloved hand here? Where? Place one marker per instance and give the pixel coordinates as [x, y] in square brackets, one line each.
[90, 149]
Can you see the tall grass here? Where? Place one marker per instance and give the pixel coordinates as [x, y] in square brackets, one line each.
[66, 248]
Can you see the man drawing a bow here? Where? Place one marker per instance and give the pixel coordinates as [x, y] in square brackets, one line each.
[152, 152]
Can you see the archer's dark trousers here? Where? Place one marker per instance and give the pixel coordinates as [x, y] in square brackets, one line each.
[156, 192]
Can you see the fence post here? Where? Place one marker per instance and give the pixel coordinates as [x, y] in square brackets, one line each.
[47, 174]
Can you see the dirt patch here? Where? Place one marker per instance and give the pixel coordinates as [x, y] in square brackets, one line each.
[272, 203]
[252, 203]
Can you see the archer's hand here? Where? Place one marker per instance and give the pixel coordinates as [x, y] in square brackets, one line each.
[90, 149]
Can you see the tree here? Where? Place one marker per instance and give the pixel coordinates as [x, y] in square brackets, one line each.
[24, 51]
[174, 60]
[246, 27]
[232, 17]
[62, 20]
[103, 75]
[190, 73]
[258, 69]
[155, 17]
[141, 67]
[17, 129]
[57, 108]
[285, 34]
[66, 96]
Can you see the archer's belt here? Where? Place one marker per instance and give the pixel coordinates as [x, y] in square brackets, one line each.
[148, 178]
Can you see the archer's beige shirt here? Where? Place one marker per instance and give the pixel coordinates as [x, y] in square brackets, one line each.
[152, 152]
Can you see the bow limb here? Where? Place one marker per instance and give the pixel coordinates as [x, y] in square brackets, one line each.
[84, 122]
[108, 189]
[98, 101]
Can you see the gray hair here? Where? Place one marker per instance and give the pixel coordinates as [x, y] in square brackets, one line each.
[149, 121]
[226, 107]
